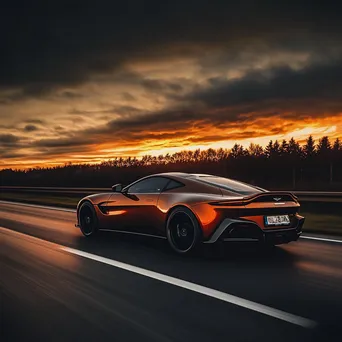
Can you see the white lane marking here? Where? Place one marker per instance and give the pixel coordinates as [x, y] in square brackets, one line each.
[39, 206]
[319, 239]
[245, 303]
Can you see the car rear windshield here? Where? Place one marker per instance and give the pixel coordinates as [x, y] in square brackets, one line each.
[230, 184]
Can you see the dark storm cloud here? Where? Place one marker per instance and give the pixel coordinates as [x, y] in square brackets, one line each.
[64, 142]
[316, 89]
[56, 46]
[9, 154]
[222, 103]
[280, 84]
[71, 95]
[122, 110]
[30, 128]
[8, 139]
[292, 93]
[58, 43]
[156, 119]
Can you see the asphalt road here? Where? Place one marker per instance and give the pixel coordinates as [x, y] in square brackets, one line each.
[57, 285]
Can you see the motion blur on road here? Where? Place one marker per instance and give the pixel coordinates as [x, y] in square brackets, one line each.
[50, 293]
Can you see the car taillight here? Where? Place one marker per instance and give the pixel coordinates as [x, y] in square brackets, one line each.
[227, 203]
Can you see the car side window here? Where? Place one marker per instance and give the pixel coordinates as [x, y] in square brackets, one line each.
[173, 185]
[149, 185]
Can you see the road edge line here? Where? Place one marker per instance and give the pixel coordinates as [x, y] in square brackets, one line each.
[320, 238]
[39, 206]
[225, 297]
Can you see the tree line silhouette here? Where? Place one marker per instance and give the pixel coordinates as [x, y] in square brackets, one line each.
[279, 165]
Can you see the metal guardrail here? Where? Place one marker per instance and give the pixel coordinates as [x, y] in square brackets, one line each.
[318, 193]
[303, 195]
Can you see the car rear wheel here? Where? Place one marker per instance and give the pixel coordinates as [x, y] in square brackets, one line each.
[88, 220]
[182, 230]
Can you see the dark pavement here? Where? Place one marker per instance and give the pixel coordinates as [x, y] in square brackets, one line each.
[48, 293]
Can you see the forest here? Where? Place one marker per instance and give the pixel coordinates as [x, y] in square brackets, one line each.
[284, 165]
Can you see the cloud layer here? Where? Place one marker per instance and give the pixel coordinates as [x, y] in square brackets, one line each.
[84, 81]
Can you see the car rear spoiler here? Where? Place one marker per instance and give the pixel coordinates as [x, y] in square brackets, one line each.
[269, 196]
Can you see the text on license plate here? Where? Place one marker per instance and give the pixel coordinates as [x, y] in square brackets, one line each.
[277, 220]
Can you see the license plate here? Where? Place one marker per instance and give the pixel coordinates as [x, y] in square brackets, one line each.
[278, 220]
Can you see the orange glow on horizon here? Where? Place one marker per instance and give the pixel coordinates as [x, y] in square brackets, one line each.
[199, 136]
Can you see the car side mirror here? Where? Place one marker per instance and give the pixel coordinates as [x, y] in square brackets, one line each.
[117, 188]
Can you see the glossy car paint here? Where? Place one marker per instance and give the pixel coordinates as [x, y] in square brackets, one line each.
[147, 213]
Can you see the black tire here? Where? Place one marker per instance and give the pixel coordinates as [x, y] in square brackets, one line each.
[183, 231]
[88, 220]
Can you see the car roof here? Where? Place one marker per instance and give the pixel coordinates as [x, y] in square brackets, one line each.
[172, 174]
[182, 175]
[188, 178]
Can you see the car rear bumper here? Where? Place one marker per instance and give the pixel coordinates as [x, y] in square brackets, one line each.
[237, 230]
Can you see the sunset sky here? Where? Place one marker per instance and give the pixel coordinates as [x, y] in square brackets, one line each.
[85, 83]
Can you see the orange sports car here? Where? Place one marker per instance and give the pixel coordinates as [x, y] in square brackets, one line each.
[189, 209]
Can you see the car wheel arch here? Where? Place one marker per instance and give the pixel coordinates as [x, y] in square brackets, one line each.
[80, 203]
[172, 209]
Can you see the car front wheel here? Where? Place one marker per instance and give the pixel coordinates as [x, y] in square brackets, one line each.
[88, 220]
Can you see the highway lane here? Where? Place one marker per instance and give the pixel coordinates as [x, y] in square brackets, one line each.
[82, 298]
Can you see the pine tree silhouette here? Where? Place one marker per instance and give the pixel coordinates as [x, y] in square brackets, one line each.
[276, 166]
